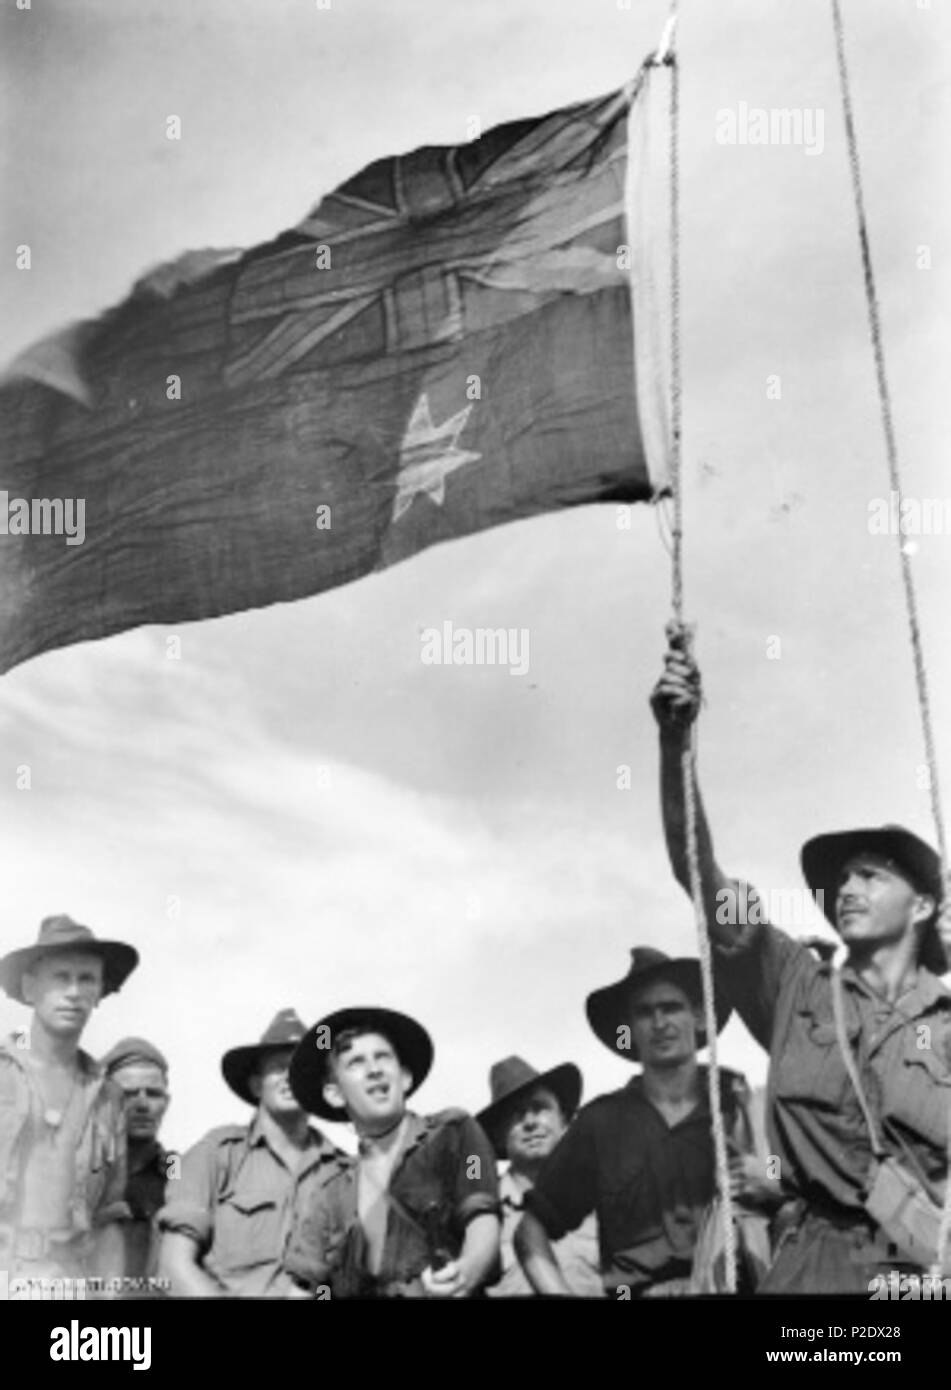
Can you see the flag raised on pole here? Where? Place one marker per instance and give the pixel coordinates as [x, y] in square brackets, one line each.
[447, 342]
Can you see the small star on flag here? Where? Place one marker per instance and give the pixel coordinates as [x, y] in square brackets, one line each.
[493, 260]
[428, 454]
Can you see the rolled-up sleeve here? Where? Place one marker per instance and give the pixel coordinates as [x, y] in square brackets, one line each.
[191, 1197]
[566, 1189]
[476, 1183]
[756, 965]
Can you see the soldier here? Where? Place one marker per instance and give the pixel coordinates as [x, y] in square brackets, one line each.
[141, 1072]
[642, 1157]
[860, 1058]
[62, 1135]
[226, 1220]
[415, 1214]
[527, 1118]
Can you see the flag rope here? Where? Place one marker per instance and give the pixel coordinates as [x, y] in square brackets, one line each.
[891, 451]
[667, 56]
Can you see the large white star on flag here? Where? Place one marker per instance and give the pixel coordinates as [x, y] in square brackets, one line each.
[428, 454]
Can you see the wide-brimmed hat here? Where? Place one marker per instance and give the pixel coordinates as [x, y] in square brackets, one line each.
[308, 1074]
[609, 1009]
[824, 856]
[238, 1064]
[514, 1077]
[130, 1052]
[61, 933]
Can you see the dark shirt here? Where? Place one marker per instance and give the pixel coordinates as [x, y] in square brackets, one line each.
[648, 1182]
[144, 1193]
[237, 1199]
[813, 1120]
[444, 1176]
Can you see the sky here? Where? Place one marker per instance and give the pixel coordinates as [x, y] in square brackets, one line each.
[299, 811]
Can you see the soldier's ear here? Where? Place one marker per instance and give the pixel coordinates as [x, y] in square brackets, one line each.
[333, 1095]
[407, 1078]
[254, 1084]
[924, 908]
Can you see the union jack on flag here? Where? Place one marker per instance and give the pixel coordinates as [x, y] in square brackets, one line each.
[447, 342]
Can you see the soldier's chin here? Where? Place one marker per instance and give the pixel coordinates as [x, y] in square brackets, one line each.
[663, 1058]
[68, 1026]
[386, 1105]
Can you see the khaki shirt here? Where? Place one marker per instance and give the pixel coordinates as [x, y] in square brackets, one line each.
[96, 1184]
[902, 1051]
[237, 1199]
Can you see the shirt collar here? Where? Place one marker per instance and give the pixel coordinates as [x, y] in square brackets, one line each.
[729, 1081]
[925, 993]
[151, 1155]
[418, 1130]
[318, 1146]
[390, 1143]
[88, 1066]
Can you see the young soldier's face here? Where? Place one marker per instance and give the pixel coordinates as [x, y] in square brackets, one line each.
[876, 904]
[369, 1080]
[533, 1127]
[146, 1098]
[270, 1084]
[664, 1024]
[63, 990]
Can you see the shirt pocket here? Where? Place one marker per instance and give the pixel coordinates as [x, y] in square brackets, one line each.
[921, 1097]
[810, 1066]
[424, 1195]
[422, 1228]
[247, 1231]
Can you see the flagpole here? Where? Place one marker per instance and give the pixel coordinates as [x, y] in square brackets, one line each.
[666, 56]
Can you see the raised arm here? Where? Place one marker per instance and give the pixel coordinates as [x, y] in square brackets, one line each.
[675, 701]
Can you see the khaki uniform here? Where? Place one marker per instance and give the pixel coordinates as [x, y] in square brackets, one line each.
[238, 1200]
[814, 1123]
[93, 1184]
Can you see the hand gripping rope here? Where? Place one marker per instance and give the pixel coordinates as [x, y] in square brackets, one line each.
[911, 605]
